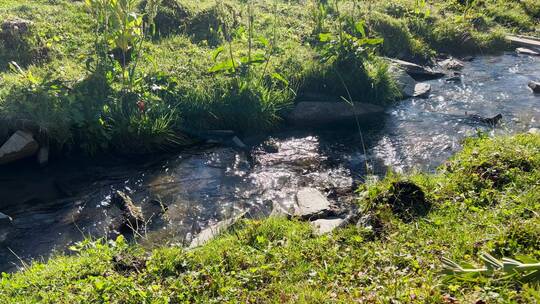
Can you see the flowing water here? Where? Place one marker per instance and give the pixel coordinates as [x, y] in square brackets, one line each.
[55, 206]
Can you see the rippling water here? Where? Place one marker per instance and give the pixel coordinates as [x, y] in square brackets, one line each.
[57, 205]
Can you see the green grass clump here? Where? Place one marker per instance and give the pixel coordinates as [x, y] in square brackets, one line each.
[482, 200]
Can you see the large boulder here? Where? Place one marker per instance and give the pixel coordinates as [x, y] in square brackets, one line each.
[20, 145]
[416, 71]
[315, 113]
[310, 204]
[535, 86]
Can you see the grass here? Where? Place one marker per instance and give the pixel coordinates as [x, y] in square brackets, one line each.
[485, 199]
[173, 73]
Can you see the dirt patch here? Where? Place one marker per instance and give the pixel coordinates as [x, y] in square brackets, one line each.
[406, 200]
[18, 43]
[126, 264]
[496, 172]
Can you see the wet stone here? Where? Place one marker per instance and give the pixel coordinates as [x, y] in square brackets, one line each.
[20, 145]
[535, 86]
[311, 203]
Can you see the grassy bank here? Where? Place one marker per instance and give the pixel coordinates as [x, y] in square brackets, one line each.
[485, 199]
[219, 65]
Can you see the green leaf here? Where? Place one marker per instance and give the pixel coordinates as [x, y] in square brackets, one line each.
[325, 37]
[280, 77]
[359, 26]
[217, 52]
[264, 41]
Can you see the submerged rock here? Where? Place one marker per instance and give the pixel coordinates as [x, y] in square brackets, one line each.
[314, 113]
[535, 86]
[131, 217]
[20, 145]
[311, 203]
[493, 121]
[238, 142]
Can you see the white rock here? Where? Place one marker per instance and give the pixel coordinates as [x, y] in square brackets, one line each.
[310, 203]
[422, 89]
[534, 131]
[324, 226]
[20, 145]
[526, 51]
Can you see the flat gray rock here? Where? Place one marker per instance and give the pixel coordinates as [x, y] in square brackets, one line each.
[324, 226]
[20, 145]
[526, 51]
[416, 70]
[407, 85]
[311, 203]
[316, 113]
[213, 231]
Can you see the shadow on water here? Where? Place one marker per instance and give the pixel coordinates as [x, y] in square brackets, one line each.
[55, 206]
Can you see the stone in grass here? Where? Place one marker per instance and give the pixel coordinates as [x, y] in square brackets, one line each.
[20, 145]
[534, 131]
[213, 231]
[311, 203]
[324, 226]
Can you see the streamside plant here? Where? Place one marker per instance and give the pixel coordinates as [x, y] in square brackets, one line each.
[526, 271]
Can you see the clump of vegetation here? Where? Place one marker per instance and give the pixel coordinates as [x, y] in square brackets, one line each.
[160, 88]
[281, 260]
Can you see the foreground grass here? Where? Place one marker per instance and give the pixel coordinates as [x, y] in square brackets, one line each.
[58, 90]
[485, 199]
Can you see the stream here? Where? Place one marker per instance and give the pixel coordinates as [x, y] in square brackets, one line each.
[60, 204]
